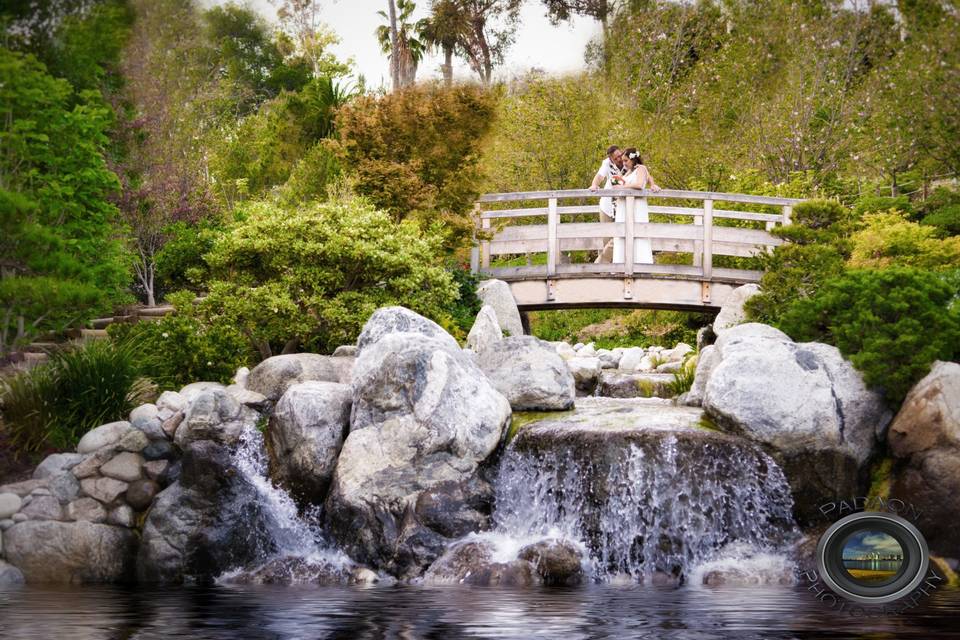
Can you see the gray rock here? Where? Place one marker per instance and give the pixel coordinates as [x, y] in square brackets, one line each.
[252, 399]
[630, 360]
[485, 330]
[241, 377]
[557, 562]
[423, 414]
[10, 575]
[529, 373]
[732, 312]
[9, 504]
[64, 487]
[20, 517]
[565, 351]
[190, 392]
[106, 490]
[155, 468]
[925, 440]
[609, 359]
[669, 367]
[216, 416]
[272, 377]
[624, 384]
[124, 466]
[57, 463]
[172, 402]
[70, 552]
[25, 487]
[103, 436]
[171, 424]
[146, 418]
[345, 351]
[122, 516]
[705, 362]
[140, 494]
[472, 562]
[43, 508]
[497, 294]
[305, 434]
[586, 373]
[455, 509]
[90, 465]
[804, 402]
[86, 509]
[134, 441]
[677, 354]
[6, 524]
[294, 570]
[210, 521]
[386, 321]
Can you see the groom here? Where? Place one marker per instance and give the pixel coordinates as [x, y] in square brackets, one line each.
[610, 170]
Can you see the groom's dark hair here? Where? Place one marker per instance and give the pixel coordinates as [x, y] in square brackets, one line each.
[612, 148]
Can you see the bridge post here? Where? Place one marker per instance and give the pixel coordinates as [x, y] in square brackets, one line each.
[787, 214]
[552, 245]
[707, 260]
[628, 218]
[475, 247]
[485, 244]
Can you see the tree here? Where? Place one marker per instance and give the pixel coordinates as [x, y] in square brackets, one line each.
[394, 45]
[424, 167]
[311, 38]
[61, 261]
[563, 10]
[484, 45]
[404, 44]
[445, 28]
[310, 277]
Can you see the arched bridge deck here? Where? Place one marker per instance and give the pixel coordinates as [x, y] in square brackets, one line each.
[690, 228]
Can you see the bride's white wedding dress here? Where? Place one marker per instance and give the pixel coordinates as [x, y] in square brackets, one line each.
[642, 250]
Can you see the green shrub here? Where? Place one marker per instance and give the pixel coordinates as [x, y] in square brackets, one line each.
[310, 277]
[54, 404]
[892, 323]
[464, 311]
[792, 272]
[939, 199]
[946, 219]
[873, 204]
[821, 215]
[888, 239]
[179, 348]
[180, 263]
[683, 379]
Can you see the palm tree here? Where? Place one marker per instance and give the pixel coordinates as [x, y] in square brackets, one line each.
[410, 50]
[444, 30]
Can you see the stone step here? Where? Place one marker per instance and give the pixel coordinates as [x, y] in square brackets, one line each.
[155, 312]
[625, 384]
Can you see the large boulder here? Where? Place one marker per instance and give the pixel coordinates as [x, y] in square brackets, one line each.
[634, 384]
[925, 439]
[586, 373]
[732, 311]
[485, 330]
[386, 321]
[497, 294]
[272, 377]
[210, 521]
[305, 434]
[529, 373]
[474, 562]
[423, 414]
[70, 552]
[804, 402]
[217, 416]
[10, 575]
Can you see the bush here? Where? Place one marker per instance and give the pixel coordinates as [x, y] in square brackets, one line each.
[892, 324]
[947, 220]
[874, 204]
[54, 404]
[821, 215]
[888, 239]
[311, 277]
[179, 349]
[792, 272]
[464, 311]
[179, 262]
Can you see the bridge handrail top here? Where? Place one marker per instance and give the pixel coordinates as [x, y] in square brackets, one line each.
[619, 193]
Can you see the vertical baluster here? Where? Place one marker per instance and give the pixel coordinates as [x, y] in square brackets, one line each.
[787, 214]
[628, 218]
[485, 245]
[475, 248]
[707, 261]
[552, 245]
[698, 244]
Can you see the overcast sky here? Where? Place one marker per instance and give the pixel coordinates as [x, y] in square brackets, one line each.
[538, 45]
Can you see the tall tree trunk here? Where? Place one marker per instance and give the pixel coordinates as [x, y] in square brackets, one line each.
[394, 45]
[448, 65]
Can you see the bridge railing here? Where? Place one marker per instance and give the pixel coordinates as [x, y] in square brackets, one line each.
[702, 238]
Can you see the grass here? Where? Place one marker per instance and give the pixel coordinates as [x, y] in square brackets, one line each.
[683, 379]
[611, 328]
[522, 419]
[54, 404]
[880, 478]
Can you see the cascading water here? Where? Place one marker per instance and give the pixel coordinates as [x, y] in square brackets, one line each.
[294, 535]
[643, 492]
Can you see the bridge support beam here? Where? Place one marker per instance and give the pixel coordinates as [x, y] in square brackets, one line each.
[653, 293]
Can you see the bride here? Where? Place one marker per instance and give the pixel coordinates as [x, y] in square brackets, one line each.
[638, 177]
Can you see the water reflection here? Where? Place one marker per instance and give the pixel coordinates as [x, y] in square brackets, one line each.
[405, 612]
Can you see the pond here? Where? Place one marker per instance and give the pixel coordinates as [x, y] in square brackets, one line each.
[412, 612]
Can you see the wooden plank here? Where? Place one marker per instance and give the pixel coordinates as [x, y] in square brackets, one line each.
[666, 193]
[485, 245]
[514, 213]
[516, 247]
[706, 263]
[590, 269]
[552, 248]
[747, 215]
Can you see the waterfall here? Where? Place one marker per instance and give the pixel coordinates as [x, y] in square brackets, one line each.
[657, 501]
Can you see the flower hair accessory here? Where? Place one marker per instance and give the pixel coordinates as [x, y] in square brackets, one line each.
[634, 155]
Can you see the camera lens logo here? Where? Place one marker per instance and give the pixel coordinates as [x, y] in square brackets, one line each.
[872, 557]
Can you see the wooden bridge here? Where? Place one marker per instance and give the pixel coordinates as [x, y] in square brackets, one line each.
[694, 224]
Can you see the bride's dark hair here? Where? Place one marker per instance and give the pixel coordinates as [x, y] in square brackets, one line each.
[634, 155]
